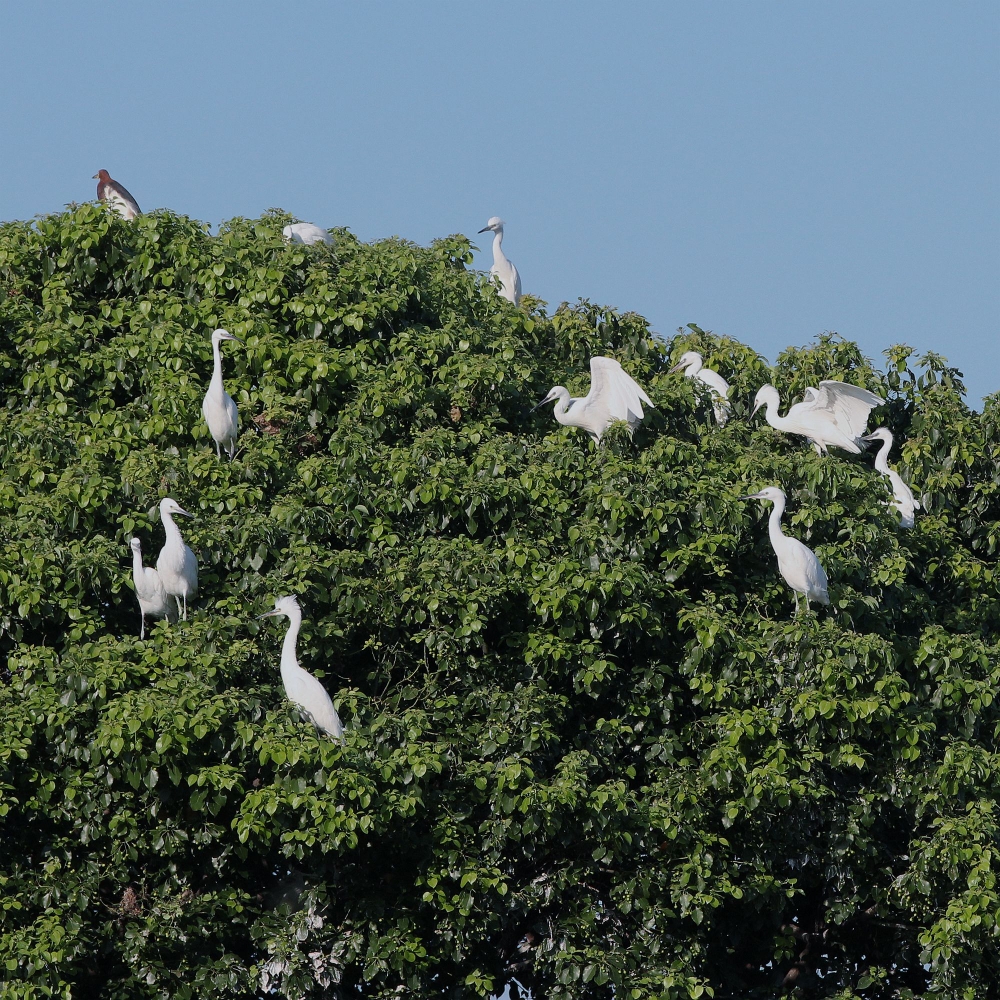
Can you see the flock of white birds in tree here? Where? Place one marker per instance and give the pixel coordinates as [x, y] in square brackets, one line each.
[834, 415]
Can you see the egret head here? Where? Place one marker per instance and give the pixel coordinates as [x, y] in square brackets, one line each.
[554, 393]
[495, 225]
[169, 506]
[135, 545]
[689, 359]
[881, 434]
[220, 335]
[765, 394]
[772, 493]
[103, 176]
[287, 606]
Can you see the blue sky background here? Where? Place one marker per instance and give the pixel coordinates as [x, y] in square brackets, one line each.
[768, 171]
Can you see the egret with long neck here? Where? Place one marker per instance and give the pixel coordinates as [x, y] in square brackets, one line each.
[832, 416]
[218, 407]
[503, 268]
[902, 496]
[301, 687]
[797, 563]
[176, 565]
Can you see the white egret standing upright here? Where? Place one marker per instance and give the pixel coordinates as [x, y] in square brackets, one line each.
[300, 686]
[149, 590]
[502, 267]
[307, 233]
[797, 563]
[834, 415]
[614, 395]
[176, 564]
[693, 365]
[218, 407]
[903, 499]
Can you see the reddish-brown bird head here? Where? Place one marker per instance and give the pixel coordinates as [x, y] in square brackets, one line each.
[103, 176]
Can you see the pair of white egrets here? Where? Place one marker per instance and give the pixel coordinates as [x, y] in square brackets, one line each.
[163, 592]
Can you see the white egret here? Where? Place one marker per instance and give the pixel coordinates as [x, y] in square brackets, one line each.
[903, 499]
[300, 686]
[153, 599]
[114, 194]
[693, 365]
[306, 232]
[834, 415]
[218, 407]
[502, 267]
[176, 564]
[614, 395]
[797, 563]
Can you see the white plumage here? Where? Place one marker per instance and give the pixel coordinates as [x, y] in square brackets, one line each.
[834, 415]
[306, 232]
[903, 499]
[797, 563]
[218, 407]
[176, 565]
[504, 269]
[693, 365]
[614, 395]
[300, 686]
[153, 599]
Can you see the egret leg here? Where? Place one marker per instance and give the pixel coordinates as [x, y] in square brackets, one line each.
[142, 625]
[185, 607]
[796, 593]
[218, 453]
[178, 600]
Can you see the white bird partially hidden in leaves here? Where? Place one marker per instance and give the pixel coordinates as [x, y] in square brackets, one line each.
[832, 416]
[115, 196]
[614, 395]
[153, 599]
[307, 233]
[300, 686]
[218, 407]
[176, 564]
[502, 267]
[797, 563]
[693, 366]
[903, 499]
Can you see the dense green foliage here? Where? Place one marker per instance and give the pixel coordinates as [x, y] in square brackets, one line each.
[587, 742]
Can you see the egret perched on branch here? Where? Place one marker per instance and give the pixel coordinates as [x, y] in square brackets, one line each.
[300, 686]
[306, 232]
[797, 563]
[693, 365]
[176, 564]
[903, 499]
[834, 415]
[149, 590]
[614, 395]
[502, 267]
[218, 407]
[115, 195]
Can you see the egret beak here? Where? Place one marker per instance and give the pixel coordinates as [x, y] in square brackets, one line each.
[755, 409]
[548, 399]
[752, 496]
[870, 437]
[485, 229]
[181, 510]
[269, 614]
[676, 368]
[232, 336]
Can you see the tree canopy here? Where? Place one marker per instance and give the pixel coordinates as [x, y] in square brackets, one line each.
[587, 743]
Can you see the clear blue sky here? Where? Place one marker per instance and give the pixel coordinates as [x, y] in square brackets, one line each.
[766, 170]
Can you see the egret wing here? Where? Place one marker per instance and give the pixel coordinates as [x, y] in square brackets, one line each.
[307, 692]
[612, 387]
[714, 381]
[848, 404]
